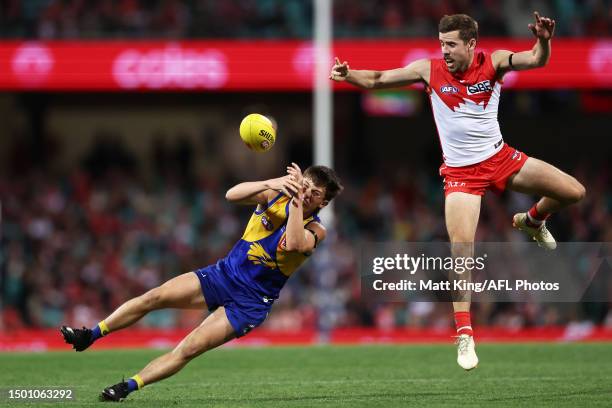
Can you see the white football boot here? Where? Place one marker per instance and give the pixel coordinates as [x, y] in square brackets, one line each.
[466, 352]
[539, 234]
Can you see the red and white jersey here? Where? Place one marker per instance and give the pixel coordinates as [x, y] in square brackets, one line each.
[464, 106]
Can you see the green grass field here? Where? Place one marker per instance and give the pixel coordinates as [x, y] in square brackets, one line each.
[555, 375]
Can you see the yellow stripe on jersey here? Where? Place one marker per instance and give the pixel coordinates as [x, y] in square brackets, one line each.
[264, 224]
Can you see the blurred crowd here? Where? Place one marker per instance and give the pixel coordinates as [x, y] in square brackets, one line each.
[75, 246]
[74, 19]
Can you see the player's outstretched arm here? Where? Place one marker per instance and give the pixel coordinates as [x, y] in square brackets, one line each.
[416, 71]
[260, 192]
[538, 56]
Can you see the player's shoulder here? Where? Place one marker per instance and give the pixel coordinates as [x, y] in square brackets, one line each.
[421, 66]
[422, 62]
[486, 63]
[435, 64]
[267, 199]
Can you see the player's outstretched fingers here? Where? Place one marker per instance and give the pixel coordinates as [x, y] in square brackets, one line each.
[533, 29]
[296, 168]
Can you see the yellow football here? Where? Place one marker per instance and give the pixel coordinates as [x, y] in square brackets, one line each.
[257, 132]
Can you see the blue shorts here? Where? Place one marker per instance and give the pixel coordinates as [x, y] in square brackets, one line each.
[244, 310]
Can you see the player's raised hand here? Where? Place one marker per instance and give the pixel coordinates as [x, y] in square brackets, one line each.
[544, 27]
[286, 185]
[296, 173]
[339, 71]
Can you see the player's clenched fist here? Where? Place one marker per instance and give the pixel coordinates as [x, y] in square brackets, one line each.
[339, 71]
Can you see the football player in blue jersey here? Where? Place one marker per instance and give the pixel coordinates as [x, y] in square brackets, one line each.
[239, 289]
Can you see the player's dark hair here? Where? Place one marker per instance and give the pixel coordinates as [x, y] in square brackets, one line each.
[466, 25]
[323, 176]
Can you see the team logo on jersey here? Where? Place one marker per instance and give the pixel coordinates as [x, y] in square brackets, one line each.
[480, 87]
[258, 255]
[448, 88]
[267, 224]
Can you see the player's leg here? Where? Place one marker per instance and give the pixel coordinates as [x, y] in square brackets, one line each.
[462, 211]
[183, 292]
[558, 189]
[214, 331]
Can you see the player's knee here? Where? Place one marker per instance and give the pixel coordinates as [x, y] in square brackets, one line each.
[580, 192]
[188, 352]
[576, 192]
[153, 299]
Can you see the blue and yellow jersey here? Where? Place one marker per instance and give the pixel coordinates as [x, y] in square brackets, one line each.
[259, 260]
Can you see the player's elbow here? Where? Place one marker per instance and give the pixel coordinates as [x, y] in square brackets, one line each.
[539, 62]
[231, 195]
[368, 84]
[376, 82]
[291, 246]
[294, 245]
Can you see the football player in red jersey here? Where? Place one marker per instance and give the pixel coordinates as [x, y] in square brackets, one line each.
[464, 88]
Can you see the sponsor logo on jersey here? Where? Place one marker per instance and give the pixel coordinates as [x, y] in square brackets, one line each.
[448, 88]
[480, 87]
[516, 156]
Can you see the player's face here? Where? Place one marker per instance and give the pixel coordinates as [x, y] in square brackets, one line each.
[314, 196]
[455, 51]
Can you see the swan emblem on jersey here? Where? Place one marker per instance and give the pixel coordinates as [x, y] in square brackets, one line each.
[258, 255]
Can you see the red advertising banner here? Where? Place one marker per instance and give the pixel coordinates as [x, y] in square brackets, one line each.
[50, 339]
[261, 65]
